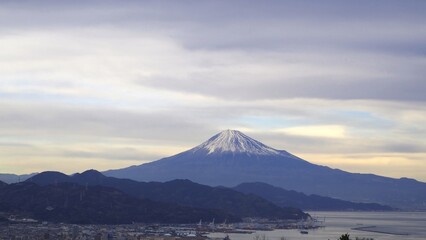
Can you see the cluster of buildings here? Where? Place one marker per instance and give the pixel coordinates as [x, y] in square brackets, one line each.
[39, 231]
[30, 229]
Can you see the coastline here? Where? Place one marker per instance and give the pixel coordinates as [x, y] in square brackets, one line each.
[376, 229]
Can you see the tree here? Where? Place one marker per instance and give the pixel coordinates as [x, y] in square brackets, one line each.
[344, 237]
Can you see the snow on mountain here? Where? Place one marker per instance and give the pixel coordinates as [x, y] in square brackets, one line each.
[235, 142]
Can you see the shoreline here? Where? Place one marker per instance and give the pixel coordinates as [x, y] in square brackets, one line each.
[371, 229]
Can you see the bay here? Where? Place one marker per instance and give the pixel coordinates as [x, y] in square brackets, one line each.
[376, 225]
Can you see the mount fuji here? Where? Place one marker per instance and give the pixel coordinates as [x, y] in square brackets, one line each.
[230, 158]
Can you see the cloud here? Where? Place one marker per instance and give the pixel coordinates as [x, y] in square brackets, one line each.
[60, 120]
[393, 165]
[327, 131]
[252, 51]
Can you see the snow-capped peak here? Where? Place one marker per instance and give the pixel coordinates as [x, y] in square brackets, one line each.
[236, 142]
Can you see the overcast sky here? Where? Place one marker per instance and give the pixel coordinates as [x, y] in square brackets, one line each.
[109, 84]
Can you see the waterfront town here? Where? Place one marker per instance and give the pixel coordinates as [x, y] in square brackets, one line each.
[30, 229]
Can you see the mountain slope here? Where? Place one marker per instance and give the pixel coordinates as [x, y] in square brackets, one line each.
[49, 178]
[72, 203]
[182, 192]
[284, 198]
[231, 158]
[228, 164]
[13, 178]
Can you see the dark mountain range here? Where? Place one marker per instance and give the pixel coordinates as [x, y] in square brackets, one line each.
[182, 192]
[285, 198]
[231, 158]
[72, 203]
[51, 178]
[13, 178]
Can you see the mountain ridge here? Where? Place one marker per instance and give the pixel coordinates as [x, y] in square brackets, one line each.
[73, 203]
[182, 192]
[14, 178]
[282, 198]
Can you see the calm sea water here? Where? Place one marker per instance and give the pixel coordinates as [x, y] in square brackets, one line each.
[388, 226]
